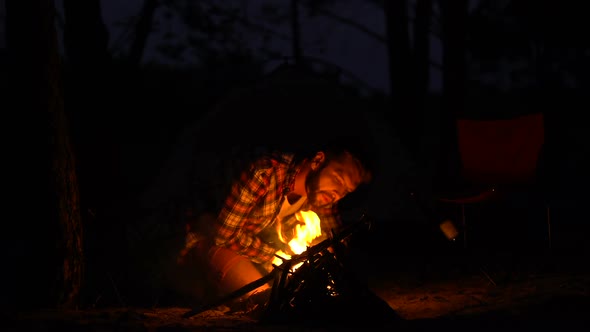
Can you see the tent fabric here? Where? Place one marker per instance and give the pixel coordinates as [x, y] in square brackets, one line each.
[501, 151]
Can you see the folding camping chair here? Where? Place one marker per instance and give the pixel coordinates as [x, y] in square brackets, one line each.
[500, 174]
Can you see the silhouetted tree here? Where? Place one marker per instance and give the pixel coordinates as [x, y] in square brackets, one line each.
[422, 40]
[87, 90]
[401, 75]
[142, 31]
[453, 17]
[47, 242]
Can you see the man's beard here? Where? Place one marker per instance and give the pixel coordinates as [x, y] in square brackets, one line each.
[312, 183]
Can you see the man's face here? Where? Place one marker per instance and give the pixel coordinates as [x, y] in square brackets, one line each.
[332, 180]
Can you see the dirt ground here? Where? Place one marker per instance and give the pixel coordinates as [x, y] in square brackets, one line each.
[461, 294]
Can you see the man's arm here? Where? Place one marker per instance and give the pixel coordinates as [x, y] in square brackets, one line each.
[235, 225]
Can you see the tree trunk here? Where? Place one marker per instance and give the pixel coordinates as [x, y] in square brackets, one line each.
[295, 30]
[421, 73]
[87, 90]
[46, 262]
[422, 49]
[400, 73]
[454, 17]
[142, 32]
[92, 86]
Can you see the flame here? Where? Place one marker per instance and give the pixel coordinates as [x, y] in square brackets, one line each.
[304, 235]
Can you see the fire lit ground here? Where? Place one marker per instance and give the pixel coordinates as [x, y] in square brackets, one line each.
[410, 287]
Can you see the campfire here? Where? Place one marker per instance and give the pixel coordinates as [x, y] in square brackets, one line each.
[304, 235]
[316, 285]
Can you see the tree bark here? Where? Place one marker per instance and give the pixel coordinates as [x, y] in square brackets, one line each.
[295, 30]
[400, 73]
[86, 37]
[142, 32]
[422, 48]
[454, 17]
[46, 261]
[421, 65]
[87, 89]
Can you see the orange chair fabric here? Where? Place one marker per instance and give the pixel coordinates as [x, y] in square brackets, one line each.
[500, 151]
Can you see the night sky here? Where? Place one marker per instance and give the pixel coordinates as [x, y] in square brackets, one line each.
[363, 55]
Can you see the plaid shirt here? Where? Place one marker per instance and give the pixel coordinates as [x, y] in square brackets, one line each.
[251, 208]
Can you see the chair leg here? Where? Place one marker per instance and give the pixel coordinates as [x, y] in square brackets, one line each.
[549, 227]
[463, 224]
[481, 266]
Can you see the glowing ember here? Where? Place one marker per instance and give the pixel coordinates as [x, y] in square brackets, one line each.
[304, 235]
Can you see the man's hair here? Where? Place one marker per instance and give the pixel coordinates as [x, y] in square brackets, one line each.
[339, 147]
